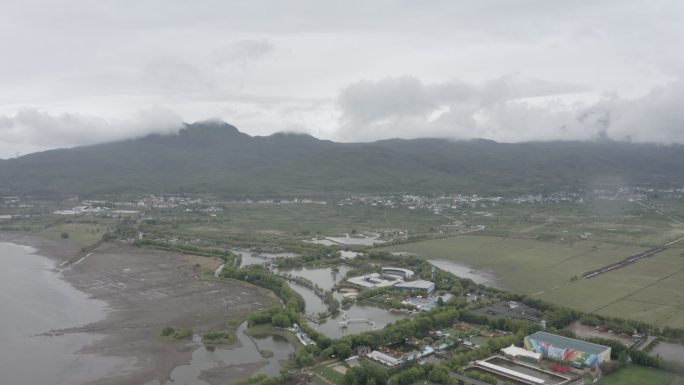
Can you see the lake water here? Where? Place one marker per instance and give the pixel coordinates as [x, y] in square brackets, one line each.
[34, 299]
[256, 258]
[463, 271]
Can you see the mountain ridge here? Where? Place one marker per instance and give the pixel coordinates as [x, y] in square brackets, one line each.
[215, 157]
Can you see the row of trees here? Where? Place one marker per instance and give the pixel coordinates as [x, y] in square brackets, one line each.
[261, 277]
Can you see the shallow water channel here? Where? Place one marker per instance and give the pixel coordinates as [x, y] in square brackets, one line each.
[237, 359]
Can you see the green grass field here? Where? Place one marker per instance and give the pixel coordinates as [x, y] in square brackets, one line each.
[330, 374]
[83, 234]
[638, 375]
[650, 290]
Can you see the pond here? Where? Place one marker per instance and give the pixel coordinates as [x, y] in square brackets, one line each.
[669, 351]
[250, 257]
[325, 277]
[357, 316]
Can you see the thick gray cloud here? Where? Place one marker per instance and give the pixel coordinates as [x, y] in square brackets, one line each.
[506, 70]
[505, 109]
[370, 109]
[32, 130]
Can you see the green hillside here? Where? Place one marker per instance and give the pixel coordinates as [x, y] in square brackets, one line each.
[215, 157]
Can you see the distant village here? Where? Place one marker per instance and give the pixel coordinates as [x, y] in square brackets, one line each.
[209, 205]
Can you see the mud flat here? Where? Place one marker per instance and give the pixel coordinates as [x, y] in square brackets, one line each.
[135, 292]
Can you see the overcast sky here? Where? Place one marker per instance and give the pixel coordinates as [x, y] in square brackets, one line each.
[82, 72]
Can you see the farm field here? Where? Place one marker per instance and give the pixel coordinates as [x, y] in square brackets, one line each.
[618, 221]
[307, 219]
[651, 290]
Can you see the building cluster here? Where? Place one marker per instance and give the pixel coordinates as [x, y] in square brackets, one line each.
[396, 277]
[528, 364]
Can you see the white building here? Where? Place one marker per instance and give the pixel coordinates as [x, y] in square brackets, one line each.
[521, 354]
[384, 359]
[371, 280]
[406, 273]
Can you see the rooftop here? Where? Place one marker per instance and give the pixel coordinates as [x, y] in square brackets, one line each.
[517, 352]
[370, 280]
[385, 358]
[407, 272]
[568, 343]
[417, 284]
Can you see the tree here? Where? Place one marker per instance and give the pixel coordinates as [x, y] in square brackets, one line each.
[304, 359]
[366, 374]
[65, 235]
[439, 374]
[281, 320]
[622, 357]
[342, 349]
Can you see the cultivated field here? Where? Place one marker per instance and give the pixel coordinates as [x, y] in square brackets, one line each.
[311, 219]
[650, 290]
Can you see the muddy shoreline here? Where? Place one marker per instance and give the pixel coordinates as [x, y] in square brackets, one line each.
[145, 290]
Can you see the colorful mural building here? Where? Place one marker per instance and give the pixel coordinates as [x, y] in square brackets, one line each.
[567, 349]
